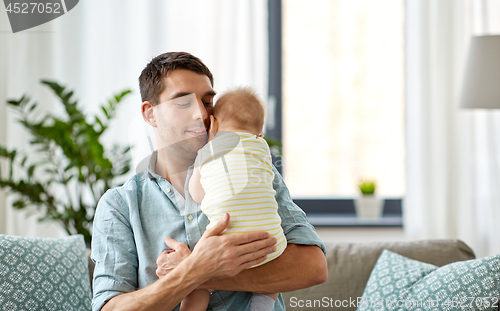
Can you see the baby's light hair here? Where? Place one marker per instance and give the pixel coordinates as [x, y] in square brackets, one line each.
[241, 108]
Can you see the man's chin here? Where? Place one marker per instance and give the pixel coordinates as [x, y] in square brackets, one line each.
[198, 142]
[189, 147]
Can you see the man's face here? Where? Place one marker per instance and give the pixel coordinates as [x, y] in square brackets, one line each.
[182, 115]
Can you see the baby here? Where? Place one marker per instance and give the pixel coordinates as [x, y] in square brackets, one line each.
[233, 174]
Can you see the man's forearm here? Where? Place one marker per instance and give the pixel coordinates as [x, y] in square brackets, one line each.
[299, 266]
[165, 294]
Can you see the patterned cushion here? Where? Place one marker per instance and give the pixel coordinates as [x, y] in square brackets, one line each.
[43, 274]
[400, 283]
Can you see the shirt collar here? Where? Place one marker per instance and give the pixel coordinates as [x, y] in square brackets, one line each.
[152, 166]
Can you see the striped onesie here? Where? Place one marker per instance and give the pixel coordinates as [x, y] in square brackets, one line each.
[237, 177]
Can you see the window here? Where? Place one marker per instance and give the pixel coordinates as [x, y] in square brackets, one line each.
[343, 96]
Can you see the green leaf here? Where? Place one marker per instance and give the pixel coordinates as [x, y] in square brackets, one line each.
[99, 121]
[14, 103]
[54, 86]
[31, 169]
[67, 96]
[32, 107]
[69, 178]
[50, 171]
[19, 204]
[4, 152]
[105, 111]
[123, 94]
[18, 103]
[275, 145]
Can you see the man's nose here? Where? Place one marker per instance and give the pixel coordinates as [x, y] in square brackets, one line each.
[200, 112]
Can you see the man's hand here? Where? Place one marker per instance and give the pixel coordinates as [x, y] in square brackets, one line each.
[226, 254]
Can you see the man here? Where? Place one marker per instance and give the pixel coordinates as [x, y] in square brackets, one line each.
[132, 221]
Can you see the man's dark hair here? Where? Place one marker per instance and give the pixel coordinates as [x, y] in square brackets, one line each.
[151, 79]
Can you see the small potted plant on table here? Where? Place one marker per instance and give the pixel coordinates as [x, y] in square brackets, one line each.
[368, 205]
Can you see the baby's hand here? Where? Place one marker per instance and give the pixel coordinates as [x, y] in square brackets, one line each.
[169, 259]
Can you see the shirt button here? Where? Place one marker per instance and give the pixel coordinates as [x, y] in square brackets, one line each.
[168, 190]
[190, 217]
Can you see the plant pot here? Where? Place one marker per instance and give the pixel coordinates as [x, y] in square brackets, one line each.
[369, 206]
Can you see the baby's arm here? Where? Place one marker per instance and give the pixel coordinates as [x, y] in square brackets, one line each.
[195, 188]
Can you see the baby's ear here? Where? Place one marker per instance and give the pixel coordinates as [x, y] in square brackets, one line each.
[216, 124]
[214, 127]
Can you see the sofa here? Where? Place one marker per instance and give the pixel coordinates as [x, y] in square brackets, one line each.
[349, 266]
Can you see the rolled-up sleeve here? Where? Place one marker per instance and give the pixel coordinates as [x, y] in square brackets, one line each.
[113, 251]
[295, 225]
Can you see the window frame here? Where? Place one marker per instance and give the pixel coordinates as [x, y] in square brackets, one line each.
[320, 211]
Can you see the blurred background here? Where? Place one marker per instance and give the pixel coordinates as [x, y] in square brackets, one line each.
[356, 90]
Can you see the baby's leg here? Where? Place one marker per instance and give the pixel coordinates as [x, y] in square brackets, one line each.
[196, 301]
[261, 302]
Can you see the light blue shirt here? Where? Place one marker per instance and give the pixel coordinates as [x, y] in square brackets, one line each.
[132, 221]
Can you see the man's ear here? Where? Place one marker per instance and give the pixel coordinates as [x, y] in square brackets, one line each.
[148, 113]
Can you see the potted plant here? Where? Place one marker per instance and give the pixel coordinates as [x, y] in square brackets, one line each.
[368, 205]
[73, 169]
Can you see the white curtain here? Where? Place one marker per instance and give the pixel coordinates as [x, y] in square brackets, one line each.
[100, 48]
[453, 159]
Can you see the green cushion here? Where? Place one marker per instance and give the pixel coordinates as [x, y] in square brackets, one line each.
[400, 283]
[43, 274]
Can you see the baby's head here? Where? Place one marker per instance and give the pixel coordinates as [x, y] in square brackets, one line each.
[240, 110]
